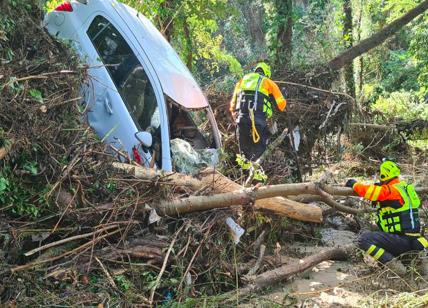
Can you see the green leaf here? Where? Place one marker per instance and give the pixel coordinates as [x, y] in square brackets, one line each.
[4, 184]
[36, 94]
[31, 167]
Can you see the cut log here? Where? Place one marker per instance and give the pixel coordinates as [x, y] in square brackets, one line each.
[301, 211]
[284, 272]
[279, 205]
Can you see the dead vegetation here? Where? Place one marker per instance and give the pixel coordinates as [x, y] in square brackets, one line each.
[77, 231]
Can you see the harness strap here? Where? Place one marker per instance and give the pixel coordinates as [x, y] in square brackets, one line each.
[257, 93]
[254, 132]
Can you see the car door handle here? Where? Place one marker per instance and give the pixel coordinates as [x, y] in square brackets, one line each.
[108, 106]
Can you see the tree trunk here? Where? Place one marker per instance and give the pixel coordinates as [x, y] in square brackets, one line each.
[254, 14]
[166, 24]
[361, 59]
[285, 32]
[365, 45]
[178, 179]
[278, 205]
[284, 272]
[348, 42]
[189, 48]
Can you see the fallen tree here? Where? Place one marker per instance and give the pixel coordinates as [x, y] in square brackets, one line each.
[282, 199]
[218, 183]
[284, 272]
[377, 38]
[250, 195]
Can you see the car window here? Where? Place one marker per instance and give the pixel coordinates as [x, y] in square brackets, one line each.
[127, 73]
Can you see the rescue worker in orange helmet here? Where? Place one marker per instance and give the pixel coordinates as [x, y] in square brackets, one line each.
[397, 207]
[251, 106]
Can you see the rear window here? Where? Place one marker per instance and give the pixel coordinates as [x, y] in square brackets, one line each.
[126, 72]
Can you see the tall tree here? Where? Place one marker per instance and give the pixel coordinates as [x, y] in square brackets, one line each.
[376, 39]
[254, 15]
[348, 42]
[284, 35]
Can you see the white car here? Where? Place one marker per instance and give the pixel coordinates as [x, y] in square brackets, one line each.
[139, 95]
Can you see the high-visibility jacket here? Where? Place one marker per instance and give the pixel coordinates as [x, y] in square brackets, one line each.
[397, 206]
[253, 91]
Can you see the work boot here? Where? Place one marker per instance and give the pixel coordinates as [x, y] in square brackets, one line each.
[396, 267]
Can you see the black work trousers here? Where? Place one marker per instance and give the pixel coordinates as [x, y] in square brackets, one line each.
[251, 150]
[385, 246]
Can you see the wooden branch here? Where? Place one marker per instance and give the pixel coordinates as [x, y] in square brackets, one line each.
[75, 250]
[272, 146]
[284, 272]
[69, 239]
[178, 179]
[260, 239]
[278, 205]
[248, 196]
[377, 38]
[376, 126]
[165, 261]
[259, 261]
[109, 278]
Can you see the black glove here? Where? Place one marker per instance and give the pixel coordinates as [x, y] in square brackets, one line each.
[350, 183]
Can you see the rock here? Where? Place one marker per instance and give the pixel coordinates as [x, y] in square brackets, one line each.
[337, 238]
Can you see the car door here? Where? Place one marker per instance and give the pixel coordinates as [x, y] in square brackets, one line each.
[142, 106]
[107, 114]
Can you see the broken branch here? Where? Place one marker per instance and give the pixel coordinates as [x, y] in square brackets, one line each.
[282, 273]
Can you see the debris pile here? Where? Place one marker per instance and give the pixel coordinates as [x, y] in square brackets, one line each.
[77, 227]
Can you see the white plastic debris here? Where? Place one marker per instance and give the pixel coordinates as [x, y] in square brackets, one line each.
[296, 137]
[153, 217]
[237, 230]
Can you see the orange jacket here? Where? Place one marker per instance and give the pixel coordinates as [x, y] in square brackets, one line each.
[379, 193]
[270, 86]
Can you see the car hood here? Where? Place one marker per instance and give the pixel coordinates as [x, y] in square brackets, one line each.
[176, 80]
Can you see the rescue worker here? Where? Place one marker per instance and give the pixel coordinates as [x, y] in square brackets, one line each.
[397, 207]
[251, 106]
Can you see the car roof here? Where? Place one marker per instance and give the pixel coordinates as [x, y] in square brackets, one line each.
[176, 80]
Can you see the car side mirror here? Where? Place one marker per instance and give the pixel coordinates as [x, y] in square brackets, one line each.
[145, 138]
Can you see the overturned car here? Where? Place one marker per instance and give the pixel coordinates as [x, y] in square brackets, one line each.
[140, 97]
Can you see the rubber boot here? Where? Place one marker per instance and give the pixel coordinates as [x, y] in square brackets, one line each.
[396, 267]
